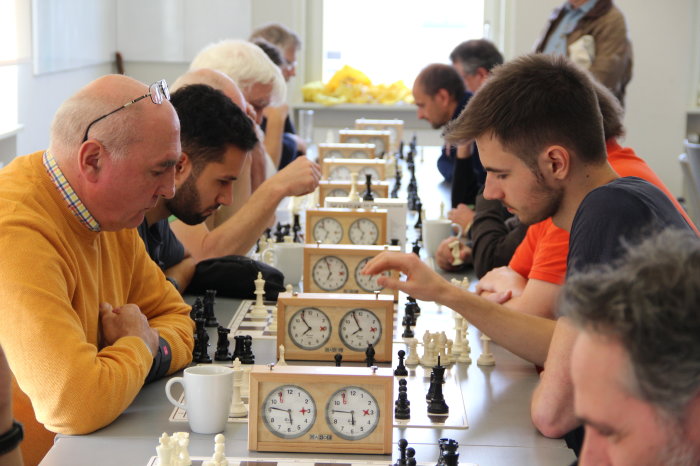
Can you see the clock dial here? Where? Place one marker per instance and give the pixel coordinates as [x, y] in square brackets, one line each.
[353, 140]
[341, 173]
[352, 413]
[330, 273]
[289, 411]
[360, 327]
[368, 282]
[309, 328]
[363, 231]
[333, 154]
[328, 230]
[338, 192]
[379, 142]
[359, 154]
[367, 171]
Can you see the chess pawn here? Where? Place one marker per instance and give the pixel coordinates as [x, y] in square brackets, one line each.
[281, 361]
[412, 359]
[289, 288]
[238, 408]
[454, 249]
[486, 357]
[465, 283]
[442, 210]
[450, 357]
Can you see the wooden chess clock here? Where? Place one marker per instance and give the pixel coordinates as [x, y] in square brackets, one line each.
[381, 139]
[346, 226]
[341, 150]
[317, 326]
[321, 409]
[335, 268]
[395, 127]
[340, 169]
[380, 189]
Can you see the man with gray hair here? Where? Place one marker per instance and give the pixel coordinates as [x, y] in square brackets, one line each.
[636, 362]
[474, 60]
[88, 317]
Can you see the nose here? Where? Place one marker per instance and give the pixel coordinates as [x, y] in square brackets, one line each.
[225, 196]
[167, 187]
[491, 188]
[421, 114]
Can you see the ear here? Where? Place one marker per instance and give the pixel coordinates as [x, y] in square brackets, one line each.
[482, 73]
[556, 162]
[183, 168]
[91, 158]
[442, 96]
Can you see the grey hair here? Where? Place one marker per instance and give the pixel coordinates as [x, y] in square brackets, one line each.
[115, 132]
[277, 34]
[475, 54]
[649, 300]
[245, 63]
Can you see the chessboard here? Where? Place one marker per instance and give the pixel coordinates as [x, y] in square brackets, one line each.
[243, 323]
[240, 461]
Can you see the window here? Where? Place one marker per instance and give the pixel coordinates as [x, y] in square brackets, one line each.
[8, 68]
[393, 40]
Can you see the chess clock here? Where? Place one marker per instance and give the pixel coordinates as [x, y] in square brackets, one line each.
[381, 139]
[336, 268]
[340, 169]
[339, 150]
[380, 189]
[321, 409]
[346, 226]
[395, 128]
[316, 326]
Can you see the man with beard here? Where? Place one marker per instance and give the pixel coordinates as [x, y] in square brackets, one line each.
[216, 137]
[639, 397]
[540, 137]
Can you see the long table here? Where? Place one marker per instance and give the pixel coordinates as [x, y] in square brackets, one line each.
[497, 401]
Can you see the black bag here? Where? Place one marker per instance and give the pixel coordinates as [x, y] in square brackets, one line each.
[233, 277]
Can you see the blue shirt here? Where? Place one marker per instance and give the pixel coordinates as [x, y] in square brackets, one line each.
[556, 43]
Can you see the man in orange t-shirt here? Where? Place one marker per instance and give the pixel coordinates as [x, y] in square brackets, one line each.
[532, 280]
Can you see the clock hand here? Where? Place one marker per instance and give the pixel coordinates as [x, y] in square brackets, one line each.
[359, 329]
[303, 319]
[289, 412]
[329, 268]
[352, 417]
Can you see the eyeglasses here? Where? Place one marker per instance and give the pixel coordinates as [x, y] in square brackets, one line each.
[157, 92]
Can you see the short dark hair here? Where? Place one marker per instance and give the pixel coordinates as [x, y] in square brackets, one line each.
[271, 50]
[534, 101]
[438, 76]
[648, 300]
[611, 110]
[209, 123]
[474, 54]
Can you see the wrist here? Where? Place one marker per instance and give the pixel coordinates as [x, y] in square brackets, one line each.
[174, 282]
[11, 438]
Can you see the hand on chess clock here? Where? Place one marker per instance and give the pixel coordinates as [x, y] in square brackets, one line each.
[126, 320]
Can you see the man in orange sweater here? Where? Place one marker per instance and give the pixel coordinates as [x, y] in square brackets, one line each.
[88, 317]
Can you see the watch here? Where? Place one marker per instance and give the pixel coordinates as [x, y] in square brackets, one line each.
[174, 282]
[10, 439]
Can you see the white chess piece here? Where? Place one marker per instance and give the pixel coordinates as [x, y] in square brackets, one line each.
[457, 348]
[442, 348]
[450, 357]
[486, 357]
[465, 283]
[455, 281]
[259, 310]
[412, 358]
[272, 327]
[442, 210]
[238, 408]
[353, 196]
[164, 450]
[289, 288]
[288, 239]
[454, 249]
[245, 380]
[281, 361]
[219, 458]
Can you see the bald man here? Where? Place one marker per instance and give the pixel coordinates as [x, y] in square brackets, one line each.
[249, 213]
[88, 317]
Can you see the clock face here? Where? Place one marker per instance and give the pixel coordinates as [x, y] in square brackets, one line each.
[330, 273]
[368, 282]
[328, 230]
[360, 327]
[379, 142]
[333, 154]
[358, 154]
[340, 173]
[338, 192]
[363, 231]
[289, 411]
[352, 413]
[309, 328]
[353, 140]
[367, 171]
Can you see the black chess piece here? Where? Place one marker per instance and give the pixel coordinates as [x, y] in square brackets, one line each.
[402, 408]
[410, 456]
[202, 343]
[407, 330]
[437, 404]
[403, 443]
[416, 248]
[338, 359]
[400, 370]
[268, 233]
[209, 316]
[248, 356]
[367, 196]
[394, 241]
[196, 308]
[369, 355]
[450, 456]
[238, 347]
[416, 308]
[400, 152]
[222, 345]
[419, 222]
[297, 229]
[279, 233]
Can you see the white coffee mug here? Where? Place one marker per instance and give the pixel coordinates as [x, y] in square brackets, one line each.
[208, 392]
[436, 230]
[288, 258]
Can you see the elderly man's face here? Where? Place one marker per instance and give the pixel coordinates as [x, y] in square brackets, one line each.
[621, 429]
[258, 97]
